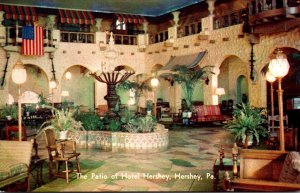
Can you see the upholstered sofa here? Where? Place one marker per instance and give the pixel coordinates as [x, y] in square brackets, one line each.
[15, 157]
[266, 170]
[208, 113]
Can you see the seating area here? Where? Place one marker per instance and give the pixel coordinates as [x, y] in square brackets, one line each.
[160, 95]
[208, 113]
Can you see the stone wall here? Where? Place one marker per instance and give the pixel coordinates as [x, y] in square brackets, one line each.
[221, 44]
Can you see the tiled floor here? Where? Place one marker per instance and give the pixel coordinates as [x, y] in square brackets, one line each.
[183, 167]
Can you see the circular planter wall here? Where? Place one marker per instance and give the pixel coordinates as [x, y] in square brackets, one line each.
[124, 142]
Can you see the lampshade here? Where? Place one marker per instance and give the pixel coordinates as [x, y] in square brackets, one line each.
[68, 75]
[270, 77]
[220, 91]
[279, 66]
[19, 74]
[154, 82]
[52, 84]
[65, 93]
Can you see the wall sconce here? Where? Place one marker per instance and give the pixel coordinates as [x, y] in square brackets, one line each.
[68, 75]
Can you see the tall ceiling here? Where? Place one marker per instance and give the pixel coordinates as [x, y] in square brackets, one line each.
[152, 8]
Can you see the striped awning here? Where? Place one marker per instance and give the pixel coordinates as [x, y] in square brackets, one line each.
[76, 17]
[190, 60]
[130, 18]
[19, 12]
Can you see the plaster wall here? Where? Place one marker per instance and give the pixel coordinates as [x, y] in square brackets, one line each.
[90, 56]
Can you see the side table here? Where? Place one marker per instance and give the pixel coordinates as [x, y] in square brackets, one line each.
[36, 165]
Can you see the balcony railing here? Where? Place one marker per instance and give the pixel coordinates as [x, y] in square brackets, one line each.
[77, 37]
[190, 29]
[257, 6]
[159, 37]
[14, 36]
[121, 39]
[233, 18]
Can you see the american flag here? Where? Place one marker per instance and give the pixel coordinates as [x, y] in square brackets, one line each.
[33, 40]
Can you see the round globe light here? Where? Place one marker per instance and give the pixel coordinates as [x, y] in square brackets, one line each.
[154, 82]
[19, 74]
[270, 77]
[68, 75]
[52, 84]
[279, 66]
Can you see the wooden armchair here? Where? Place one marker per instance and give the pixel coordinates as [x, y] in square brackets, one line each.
[264, 170]
[61, 151]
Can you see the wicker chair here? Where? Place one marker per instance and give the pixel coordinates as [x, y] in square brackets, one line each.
[61, 151]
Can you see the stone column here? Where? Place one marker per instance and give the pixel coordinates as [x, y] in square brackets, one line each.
[208, 22]
[51, 22]
[145, 26]
[98, 24]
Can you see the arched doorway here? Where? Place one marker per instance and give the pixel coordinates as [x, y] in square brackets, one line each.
[37, 83]
[241, 88]
[80, 88]
[290, 83]
[231, 69]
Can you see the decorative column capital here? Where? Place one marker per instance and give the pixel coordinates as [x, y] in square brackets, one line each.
[211, 6]
[51, 21]
[98, 24]
[176, 17]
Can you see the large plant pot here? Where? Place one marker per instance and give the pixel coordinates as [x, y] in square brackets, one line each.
[63, 135]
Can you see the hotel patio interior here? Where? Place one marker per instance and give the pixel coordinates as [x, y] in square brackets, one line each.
[152, 95]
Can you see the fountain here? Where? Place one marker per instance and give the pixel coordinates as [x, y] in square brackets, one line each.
[111, 76]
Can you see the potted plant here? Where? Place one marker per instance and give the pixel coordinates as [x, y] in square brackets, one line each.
[149, 106]
[62, 122]
[42, 100]
[188, 78]
[247, 123]
[9, 112]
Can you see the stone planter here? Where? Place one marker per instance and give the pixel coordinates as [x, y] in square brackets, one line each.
[123, 142]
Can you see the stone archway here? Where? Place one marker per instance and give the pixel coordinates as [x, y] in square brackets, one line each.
[231, 68]
[80, 89]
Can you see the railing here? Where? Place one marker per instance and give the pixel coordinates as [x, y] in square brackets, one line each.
[14, 36]
[190, 29]
[159, 37]
[258, 6]
[230, 19]
[123, 39]
[77, 37]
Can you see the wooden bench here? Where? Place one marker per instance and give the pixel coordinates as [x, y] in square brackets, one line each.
[264, 170]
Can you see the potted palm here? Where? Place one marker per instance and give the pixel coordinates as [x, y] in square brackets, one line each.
[247, 123]
[9, 112]
[188, 78]
[62, 122]
[139, 84]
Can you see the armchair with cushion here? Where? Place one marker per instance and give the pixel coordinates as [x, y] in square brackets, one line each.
[266, 170]
[15, 157]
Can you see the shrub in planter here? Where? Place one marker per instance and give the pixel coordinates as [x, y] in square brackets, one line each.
[90, 121]
[141, 124]
[9, 111]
